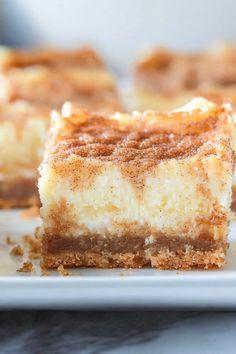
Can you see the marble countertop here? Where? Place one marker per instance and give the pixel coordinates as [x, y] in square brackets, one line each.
[136, 332]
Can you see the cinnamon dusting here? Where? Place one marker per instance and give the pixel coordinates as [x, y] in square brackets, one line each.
[149, 136]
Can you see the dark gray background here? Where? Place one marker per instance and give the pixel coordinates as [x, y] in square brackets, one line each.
[117, 332]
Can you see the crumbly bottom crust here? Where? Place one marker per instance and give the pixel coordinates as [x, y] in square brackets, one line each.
[19, 193]
[233, 205]
[164, 259]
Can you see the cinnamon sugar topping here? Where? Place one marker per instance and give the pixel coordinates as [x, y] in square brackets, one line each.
[150, 136]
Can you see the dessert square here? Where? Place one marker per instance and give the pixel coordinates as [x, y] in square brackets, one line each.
[50, 77]
[146, 189]
[164, 79]
[31, 84]
[23, 130]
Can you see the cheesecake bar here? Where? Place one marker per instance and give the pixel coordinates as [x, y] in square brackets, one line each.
[31, 84]
[50, 77]
[23, 130]
[164, 79]
[142, 189]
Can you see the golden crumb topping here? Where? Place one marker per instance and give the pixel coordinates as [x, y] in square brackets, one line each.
[140, 136]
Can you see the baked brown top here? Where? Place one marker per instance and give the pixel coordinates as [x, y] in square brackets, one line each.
[149, 136]
[16, 58]
[168, 71]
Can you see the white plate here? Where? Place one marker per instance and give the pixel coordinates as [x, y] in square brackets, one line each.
[94, 288]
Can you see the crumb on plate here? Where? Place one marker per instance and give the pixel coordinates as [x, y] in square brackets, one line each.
[9, 240]
[26, 267]
[17, 250]
[62, 271]
[33, 243]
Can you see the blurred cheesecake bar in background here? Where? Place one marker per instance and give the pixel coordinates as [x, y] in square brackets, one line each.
[23, 130]
[50, 77]
[132, 190]
[164, 79]
[32, 83]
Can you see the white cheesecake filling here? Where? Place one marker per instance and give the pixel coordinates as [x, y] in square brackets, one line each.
[176, 194]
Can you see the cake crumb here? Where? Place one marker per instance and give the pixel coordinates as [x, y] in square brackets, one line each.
[34, 246]
[33, 255]
[9, 241]
[62, 271]
[26, 267]
[17, 250]
[30, 213]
